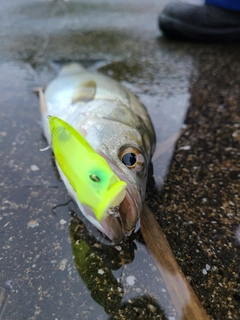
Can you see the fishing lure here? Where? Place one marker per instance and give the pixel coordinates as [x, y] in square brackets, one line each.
[89, 174]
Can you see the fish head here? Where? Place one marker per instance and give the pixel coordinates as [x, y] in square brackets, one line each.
[131, 166]
[105, 173]
[128, 151]
[88, 175]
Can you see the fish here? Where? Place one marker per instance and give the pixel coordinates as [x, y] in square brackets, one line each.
[116, 126]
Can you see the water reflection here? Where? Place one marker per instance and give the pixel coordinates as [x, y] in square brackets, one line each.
[96, 262]
[143, 307]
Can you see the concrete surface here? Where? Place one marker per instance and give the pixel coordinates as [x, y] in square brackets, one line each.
[194, 191]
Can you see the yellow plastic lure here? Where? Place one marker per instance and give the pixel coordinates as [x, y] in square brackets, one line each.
[95, 184]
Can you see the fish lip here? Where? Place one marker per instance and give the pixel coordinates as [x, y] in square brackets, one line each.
[124, 224]
[117, 227]
[129, 212]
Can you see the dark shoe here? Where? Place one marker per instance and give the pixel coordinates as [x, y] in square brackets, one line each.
[204, 23]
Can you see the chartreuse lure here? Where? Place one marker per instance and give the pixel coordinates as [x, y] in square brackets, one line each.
[95, 184]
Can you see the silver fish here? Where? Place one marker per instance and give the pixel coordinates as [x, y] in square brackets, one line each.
[118, 128]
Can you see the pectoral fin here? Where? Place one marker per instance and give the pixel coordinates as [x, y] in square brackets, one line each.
[164, 146]
[85, 91]
[42, 100]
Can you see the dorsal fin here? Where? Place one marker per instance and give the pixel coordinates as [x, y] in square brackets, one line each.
[85, 91]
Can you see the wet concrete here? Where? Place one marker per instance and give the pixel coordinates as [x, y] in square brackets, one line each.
[194, 191]
[200, 199]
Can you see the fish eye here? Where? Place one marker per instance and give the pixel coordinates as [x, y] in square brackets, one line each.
[132, 158]
[129, 159]
[94, 178]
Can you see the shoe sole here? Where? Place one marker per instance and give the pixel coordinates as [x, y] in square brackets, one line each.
[178, 30]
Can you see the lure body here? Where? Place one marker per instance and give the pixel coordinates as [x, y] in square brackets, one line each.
[117, 127]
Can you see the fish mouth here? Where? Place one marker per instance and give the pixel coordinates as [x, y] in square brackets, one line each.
[125, 211]
[123, 220]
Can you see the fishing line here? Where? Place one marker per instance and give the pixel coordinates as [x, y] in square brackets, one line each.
[3, 299]
[4, 307]
[44, 149]
[121, 277]
[117, 217]
[60, 205]
[42, 38]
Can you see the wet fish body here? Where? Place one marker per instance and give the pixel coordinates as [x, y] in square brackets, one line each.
[118, 128]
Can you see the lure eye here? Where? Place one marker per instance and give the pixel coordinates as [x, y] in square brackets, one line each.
[132, 158]
[94, 178]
